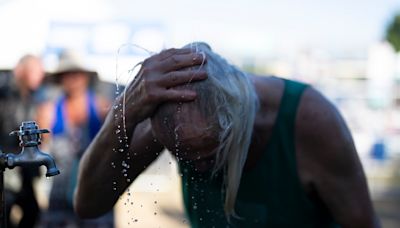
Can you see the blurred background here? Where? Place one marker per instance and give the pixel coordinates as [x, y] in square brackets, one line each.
[350, 50]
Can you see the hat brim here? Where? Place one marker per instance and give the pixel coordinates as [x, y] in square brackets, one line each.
[55, 77]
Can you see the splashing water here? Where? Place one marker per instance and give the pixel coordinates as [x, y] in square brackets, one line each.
[121, 131]
[123, 139]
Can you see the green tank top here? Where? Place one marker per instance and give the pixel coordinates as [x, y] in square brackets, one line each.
[270, 194]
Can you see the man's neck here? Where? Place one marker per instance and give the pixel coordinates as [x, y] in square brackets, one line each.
[269, 91]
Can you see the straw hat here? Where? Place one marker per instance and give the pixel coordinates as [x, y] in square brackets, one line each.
[71, 61]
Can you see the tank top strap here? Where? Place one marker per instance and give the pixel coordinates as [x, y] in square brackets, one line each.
[290, 102]
[58, 124]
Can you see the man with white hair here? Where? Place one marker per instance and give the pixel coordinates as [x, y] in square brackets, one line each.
[253, 151]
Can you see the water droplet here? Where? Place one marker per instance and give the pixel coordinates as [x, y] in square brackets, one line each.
[136, 220]
[155, 202]
[128, 180]
[155, 213]
[121, 150]
[194, 207]
[117, 131]
[115, 189]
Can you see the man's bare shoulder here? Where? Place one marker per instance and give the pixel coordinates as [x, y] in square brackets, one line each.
[269, 90]
[322, 135]
[328, 160]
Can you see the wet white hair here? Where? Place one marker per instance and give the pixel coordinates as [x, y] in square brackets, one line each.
[229, 97]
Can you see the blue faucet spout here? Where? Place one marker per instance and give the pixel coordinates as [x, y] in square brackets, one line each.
[32, 156]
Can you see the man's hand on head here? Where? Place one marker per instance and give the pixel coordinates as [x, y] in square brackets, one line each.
[157, 78]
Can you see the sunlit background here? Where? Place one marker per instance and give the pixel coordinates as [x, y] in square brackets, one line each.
[338, 46]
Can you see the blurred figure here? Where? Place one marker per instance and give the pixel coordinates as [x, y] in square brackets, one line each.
[74, 120]
[19, 98]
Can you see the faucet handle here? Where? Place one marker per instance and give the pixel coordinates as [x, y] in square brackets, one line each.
[29, 128]
[29, 133]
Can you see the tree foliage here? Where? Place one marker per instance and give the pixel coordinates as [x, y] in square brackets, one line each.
[393, 33]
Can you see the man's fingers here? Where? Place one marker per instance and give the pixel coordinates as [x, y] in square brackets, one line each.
[177, 62]
[173, 51]
[179, 95]
[176, 78]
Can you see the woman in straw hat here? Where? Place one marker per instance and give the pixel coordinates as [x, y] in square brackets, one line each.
[74, 120]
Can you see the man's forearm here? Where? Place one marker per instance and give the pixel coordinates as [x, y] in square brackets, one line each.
[97, 177]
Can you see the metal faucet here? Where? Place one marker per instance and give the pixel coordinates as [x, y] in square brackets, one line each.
[30, 155]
